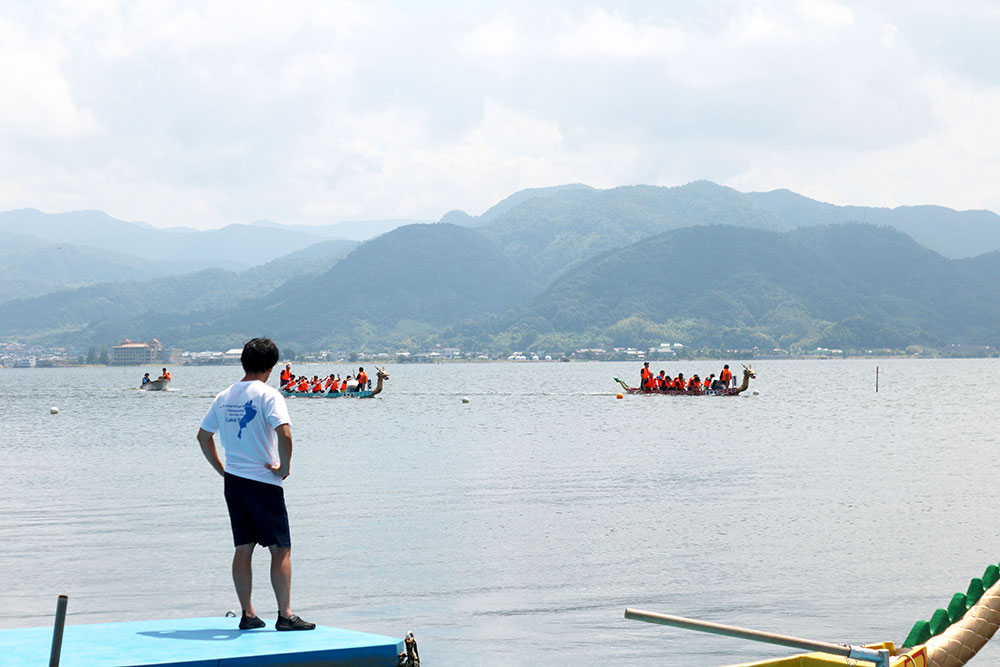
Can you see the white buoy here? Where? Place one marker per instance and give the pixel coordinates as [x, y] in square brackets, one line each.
[53, 410]
[756, 393]
[465, 399]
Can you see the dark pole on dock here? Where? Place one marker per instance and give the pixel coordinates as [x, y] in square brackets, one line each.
[876, 379]
[57, 631]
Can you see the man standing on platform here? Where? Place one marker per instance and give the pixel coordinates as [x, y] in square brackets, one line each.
[252, 422]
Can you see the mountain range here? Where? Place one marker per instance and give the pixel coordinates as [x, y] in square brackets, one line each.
[549, 268]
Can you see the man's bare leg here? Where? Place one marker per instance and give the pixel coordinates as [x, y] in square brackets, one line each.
[281, 578]
[243, 576]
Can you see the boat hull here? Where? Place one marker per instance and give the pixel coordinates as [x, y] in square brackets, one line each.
[155, 385]
[731, 391]
[333, 394]
[912, 658]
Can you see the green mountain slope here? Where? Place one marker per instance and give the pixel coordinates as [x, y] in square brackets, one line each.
[952, 233]
[837, 286]
[404, 285]
[410, 281]
[558, 228]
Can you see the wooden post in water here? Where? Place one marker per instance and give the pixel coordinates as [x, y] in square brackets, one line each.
[57, 631]
[876, 379]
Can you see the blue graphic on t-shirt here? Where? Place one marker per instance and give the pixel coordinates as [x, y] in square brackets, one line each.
[248, 414]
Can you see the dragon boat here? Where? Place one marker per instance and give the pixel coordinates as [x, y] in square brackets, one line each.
[381, 377]
[951, 638]
[748, 374]
[155, 385]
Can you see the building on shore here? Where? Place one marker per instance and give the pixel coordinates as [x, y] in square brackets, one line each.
[130, 353]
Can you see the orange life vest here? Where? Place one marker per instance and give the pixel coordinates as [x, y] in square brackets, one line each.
[303, 385]
[362, 380]
[318, 387]
[726, 375]
[679, 383]
[343, 385]
[707, 383]
[286, 375]
[692, 384]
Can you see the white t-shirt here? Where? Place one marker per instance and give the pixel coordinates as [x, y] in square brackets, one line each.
[245, 416]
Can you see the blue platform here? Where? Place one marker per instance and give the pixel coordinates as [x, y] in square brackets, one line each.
[197, 642]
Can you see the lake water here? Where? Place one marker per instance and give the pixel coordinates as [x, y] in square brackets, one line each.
[515, 529]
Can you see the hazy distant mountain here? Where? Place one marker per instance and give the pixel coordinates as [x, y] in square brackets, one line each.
[849, 286]
[130, 304]
[31, 267]
[353, 230]
[234, 246]
[952, 233]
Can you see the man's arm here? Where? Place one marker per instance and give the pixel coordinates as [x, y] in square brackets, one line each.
[284, 432]
[207, 442]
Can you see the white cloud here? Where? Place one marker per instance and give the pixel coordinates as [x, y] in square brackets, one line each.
[313, 111]
[827, 12]
[600, 33]
[37, 98]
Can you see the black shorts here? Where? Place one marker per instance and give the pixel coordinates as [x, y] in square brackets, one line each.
[257, 512]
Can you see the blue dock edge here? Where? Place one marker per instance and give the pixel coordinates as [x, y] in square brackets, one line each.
[198, 642]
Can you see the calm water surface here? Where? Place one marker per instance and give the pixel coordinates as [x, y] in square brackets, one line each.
[516, 528]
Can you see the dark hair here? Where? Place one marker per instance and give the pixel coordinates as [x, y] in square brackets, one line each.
[259, 355]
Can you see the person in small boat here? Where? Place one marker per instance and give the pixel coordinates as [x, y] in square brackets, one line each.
[343, 384]
[317, 385]
[303, 385]
[679, 382]
[286, 375]
[165, 376]
[645, 375]
[708, 381]
[694, 384]
[331, 384]
[362, 379]
[726, 375]
[662, 381]
[145, 379]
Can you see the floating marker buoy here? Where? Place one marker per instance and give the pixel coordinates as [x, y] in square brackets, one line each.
[53, 410]
[620, 396]
[756, 393]
[465, 399]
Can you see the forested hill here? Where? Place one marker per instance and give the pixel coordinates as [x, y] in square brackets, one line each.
[407, 284]
[554, 229]
[848, 286]
[952, 233]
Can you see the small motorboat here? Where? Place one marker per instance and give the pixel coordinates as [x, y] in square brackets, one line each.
[155, 385]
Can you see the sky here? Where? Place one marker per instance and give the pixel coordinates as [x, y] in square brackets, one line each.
[208, 113]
